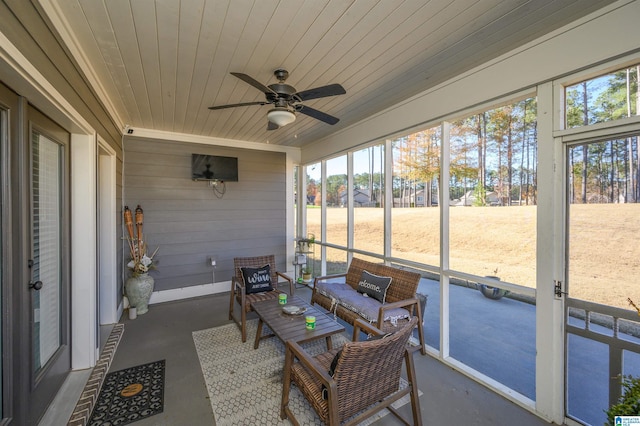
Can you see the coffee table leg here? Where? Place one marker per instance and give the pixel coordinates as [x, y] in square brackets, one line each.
[258, 334]
[329, 343]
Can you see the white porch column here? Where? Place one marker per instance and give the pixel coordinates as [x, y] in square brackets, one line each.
[549, 265]
[84, 343]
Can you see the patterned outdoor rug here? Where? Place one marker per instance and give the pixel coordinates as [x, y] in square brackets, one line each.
[130, 395]
[245, 384]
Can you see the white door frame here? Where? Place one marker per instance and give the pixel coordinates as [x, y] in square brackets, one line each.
[106, 223]
[84, 336]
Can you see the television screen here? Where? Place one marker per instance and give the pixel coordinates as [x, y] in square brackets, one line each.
[214, 167]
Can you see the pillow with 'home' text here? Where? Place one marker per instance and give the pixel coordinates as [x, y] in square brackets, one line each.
[374, 286]
[256, 280]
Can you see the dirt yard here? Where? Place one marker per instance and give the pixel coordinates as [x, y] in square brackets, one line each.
[604, 261]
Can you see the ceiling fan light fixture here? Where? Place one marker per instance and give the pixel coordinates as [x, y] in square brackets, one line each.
[281, 117]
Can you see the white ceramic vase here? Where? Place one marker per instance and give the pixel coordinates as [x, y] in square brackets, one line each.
[139, 289]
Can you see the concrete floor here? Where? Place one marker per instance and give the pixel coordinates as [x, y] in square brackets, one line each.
[165, 333]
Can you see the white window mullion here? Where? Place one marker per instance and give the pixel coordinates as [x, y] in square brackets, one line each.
[444, 240]
[388, 197]
[350, 206]
[301, 201]
[323, 215]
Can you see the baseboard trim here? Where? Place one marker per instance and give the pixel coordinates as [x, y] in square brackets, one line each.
[189, 292]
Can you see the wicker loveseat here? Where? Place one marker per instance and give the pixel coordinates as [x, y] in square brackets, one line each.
[338, 294]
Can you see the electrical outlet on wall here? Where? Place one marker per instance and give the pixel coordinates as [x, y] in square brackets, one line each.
[212, 260]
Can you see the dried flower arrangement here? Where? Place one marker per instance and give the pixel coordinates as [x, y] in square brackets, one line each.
[140, 262]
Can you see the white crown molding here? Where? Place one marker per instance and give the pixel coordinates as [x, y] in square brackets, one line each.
[61, 23]
[207, 140]
[25, 78]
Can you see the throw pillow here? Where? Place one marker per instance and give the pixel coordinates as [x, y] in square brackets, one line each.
[332, 372]
[374, 286]
[256, 280]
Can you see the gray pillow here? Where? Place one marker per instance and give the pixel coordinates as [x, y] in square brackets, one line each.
[374, 286]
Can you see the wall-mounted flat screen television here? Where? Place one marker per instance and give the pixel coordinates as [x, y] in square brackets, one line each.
[214, 167]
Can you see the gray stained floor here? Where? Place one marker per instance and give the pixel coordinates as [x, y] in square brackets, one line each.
[165, 333]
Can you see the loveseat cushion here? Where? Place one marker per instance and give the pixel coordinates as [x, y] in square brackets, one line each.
[344, 295]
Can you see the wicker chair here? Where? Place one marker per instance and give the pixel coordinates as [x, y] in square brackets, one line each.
[244, 300]
[366, 377]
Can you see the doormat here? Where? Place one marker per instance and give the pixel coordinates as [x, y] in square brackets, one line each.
[130, 395]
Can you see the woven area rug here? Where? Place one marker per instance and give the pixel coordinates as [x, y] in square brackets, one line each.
[245, 384]
[130, 395]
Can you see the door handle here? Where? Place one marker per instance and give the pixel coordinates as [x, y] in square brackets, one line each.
[36, 286]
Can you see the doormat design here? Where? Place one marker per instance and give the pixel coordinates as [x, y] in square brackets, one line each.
[130, 395]
[245, 384]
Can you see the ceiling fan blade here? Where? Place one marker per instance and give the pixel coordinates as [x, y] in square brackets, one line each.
[318, 115]
[237, 105]
[255, 83]
[322, 92]
[272, 126]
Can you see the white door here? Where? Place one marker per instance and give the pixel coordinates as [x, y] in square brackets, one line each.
[603, 224]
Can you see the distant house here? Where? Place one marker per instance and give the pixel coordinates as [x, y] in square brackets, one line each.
[414, 198]
[469, 199]
[361, 198]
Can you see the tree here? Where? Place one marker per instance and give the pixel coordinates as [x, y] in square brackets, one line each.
[418, 164]
[610, 170]
[336, 186]
[463, 166]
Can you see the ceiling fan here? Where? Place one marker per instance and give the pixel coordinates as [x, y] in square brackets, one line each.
[287, 100]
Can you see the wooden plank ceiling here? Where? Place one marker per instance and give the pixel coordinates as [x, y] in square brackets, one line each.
[158, 64]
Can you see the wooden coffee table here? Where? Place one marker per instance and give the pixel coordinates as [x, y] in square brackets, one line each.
[292, 327]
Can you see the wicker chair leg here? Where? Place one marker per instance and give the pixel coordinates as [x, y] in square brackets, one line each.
[413, 382]
[423, 348]
[231, 297]
[244, 324]
[286, 385]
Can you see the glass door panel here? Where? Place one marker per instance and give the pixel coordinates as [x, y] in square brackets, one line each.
[602, 266]
[48, 303]
[47, 265]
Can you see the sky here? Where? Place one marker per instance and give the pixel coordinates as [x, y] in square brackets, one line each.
[338, 165]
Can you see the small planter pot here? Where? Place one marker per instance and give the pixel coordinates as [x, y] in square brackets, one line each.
[139, 289]
[493, 293]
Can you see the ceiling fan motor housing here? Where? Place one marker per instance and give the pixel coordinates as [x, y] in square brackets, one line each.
[283, 95]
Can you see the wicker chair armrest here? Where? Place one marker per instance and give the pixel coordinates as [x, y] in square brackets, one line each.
[414, 303]
[361, 325]
[288, 279]
[284, 276]
[310, 363]
[328, 277]
[237, 284]
[325, 277]
[294, 350]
